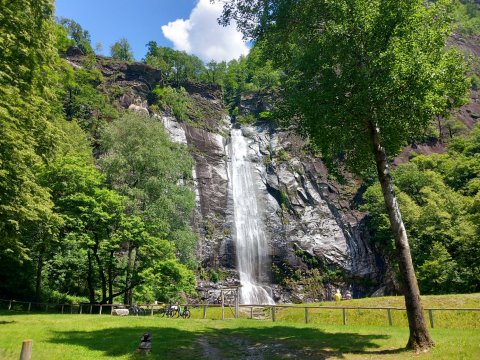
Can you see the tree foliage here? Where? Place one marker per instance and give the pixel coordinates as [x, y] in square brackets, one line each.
[65, 233]
[143, 164]
[78, 36]
[27, 59]
[363, 79]
[177, 66]
[122, 50]
[437, 194]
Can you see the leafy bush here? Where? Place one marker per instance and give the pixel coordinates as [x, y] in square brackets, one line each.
[174, 100]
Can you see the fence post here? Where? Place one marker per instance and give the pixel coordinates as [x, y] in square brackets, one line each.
[430, 315]
[26, 353]
[344, 311]
[71, 308]
[29, 306]
[204, 311]
[101, 308]
[10, 305]
[111, 309]
[223, 306]
[62, 308]
[46, 307]
[389, 317]
[151, 311]
[273, 313]
[237, 305]
[90, 309]
[306, 315]
[81, 306]
[251, 312]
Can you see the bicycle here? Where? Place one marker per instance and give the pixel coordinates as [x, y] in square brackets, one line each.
[171, 311]
[136, 310]
[185, 313]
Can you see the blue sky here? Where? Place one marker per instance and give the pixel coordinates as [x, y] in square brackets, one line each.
[188, 25]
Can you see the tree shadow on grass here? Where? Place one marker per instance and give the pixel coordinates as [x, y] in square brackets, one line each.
[279, 342]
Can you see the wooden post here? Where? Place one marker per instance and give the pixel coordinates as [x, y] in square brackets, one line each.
[26, 353]
[101, 308]
[62, 308]
[237, 305]
[251, 312]
[10, 305]
[344, 316]
[306, 315]
[29, 306]
[430, 315]
[151, 311]
[90, 309]
[71, 309]
[46, 307]
[111, 309]
[204, 311]
[81, 309]
[389, 317]
[273, 313]
[223, 305]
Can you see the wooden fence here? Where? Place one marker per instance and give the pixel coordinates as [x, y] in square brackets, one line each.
[268, 311]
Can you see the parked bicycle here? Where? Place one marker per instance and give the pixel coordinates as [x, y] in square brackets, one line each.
[136, 310]
[171, 311]
[185, 313]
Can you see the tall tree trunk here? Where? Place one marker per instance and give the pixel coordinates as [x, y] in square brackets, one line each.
[91, 288]
[110, 277]
[420, 339]
[38, 280]
[126, 298]
[103, 278]
[134, 271]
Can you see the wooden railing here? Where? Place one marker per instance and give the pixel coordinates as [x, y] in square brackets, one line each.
[150, 309]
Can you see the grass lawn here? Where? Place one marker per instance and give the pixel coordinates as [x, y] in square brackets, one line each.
[80, 337]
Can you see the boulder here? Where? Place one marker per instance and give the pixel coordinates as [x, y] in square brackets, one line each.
[120, 312]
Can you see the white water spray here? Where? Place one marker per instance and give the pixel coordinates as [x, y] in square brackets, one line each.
[250, 239]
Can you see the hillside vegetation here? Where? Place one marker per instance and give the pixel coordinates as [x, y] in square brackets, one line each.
[96, 200]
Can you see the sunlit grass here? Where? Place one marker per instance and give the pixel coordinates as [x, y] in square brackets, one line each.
[79, 337]
[366, 335]
[379, 317]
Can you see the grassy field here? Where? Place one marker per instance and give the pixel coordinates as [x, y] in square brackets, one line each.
[106, 337]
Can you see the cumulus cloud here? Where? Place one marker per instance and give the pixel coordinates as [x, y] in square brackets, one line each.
[201, 35]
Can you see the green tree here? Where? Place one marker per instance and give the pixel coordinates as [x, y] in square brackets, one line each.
[79, 36]
[28, 107]
[142, 163]
[363, 78]
[215, 71]
[177, 66]
[90, 212]
[122, 50]
[83, 101]
[172, 100]
[439, 223]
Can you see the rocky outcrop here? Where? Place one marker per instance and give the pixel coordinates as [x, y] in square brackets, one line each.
[306, 215]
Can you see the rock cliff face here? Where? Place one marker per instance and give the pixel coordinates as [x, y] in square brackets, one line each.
[309, 220]
[306, 215]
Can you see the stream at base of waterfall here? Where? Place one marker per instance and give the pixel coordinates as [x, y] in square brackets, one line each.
[250, 240]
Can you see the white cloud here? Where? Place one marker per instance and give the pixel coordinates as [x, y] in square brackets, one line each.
[203, 36]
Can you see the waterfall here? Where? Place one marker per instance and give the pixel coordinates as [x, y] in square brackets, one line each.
[250, 240]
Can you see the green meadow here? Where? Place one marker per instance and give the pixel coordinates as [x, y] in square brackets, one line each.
[366, 335]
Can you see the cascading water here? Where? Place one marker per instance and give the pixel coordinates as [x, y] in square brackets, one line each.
[250, 239]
